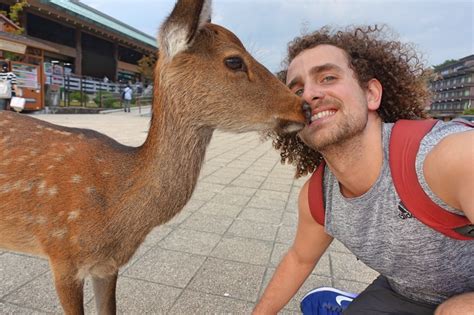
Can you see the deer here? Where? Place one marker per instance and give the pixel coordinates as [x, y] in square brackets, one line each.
[85, 202]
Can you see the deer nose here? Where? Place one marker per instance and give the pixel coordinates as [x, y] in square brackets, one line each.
[307, 112]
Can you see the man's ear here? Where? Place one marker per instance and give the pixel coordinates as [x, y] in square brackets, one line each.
[374, 94]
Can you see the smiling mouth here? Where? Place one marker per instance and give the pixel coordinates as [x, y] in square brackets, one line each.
[323, 114]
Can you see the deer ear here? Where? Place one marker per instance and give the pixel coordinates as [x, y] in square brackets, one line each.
[181, 27]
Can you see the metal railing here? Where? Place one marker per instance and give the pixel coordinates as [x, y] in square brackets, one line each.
[73, 90]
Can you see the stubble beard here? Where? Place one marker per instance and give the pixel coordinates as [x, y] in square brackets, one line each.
[343, 133]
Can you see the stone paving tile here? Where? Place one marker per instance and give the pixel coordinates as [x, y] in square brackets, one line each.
[156, 235]
[346, 267]
[217, 224]
[226, 198]
[220, 209]
[337, 246]
[275, 186]
[251, 229]
[166, 267]
[193, 302]
[289, 219]
[6, 308]
[312, 282]
[243, 250]
[229, 279]
[261, 215]
[40, 294]
[16, 270]
[286, 234]
[190, 241]
[267, 199]
[141, 297]
[237, 190]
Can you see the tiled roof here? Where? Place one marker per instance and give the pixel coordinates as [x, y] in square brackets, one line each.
[90, 14]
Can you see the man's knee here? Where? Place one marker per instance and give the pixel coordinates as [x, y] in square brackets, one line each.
[459, 304]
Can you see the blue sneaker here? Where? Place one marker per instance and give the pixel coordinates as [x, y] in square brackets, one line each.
[326, 301]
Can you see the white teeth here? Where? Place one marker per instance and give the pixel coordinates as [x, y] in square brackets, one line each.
[325, 113]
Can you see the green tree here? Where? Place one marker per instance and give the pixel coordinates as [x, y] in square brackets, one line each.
[146, 67]
[468, 111]
[445, 63]
[14, 14]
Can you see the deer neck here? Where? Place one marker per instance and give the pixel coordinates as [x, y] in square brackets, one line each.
[170, 162]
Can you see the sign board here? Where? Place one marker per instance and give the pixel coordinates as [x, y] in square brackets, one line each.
[12, 46]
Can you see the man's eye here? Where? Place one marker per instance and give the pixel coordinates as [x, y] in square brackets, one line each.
[328, 78]
[299, 92]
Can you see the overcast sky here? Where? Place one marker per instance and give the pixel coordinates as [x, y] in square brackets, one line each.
[441, 29]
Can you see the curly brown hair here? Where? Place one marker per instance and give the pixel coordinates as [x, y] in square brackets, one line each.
[396, 65]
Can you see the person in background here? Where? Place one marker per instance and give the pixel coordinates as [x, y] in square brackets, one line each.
[357, 83]
[10, 78]
[127, 95]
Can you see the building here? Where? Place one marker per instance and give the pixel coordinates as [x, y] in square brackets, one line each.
[453, 88]
[68, 38]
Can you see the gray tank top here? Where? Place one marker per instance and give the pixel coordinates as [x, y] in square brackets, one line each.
[419, 262]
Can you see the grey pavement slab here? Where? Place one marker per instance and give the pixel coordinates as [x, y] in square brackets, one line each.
[214, 257]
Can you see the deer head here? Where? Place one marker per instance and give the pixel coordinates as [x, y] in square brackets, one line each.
[205, 69]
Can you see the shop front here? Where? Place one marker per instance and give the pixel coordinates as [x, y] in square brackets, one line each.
[25, 57]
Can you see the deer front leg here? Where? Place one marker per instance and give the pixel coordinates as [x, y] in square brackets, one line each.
[68, 287]
[104, 291]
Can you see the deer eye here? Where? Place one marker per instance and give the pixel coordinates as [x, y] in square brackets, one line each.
[235, 64]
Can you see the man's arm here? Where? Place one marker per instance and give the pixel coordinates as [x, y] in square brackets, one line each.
[311, 241]
[449, 171]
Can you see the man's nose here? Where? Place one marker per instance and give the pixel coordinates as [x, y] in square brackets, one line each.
[311, 94]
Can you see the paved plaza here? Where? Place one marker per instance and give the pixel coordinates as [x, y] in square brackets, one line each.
[216, 256]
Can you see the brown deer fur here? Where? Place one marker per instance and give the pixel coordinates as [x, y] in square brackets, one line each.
[86, 202]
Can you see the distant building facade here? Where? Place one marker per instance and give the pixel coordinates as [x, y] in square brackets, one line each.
[453, 88]
[64, 38]
[86, 41]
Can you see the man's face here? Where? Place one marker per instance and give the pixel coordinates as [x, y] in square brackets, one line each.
[322, 77]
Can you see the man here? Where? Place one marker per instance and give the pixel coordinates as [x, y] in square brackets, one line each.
[10, 79]
[127, 97]
[356, 83]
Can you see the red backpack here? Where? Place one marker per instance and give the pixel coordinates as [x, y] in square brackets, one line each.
[404, 143]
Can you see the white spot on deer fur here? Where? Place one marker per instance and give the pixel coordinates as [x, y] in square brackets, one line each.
[76, 179]
[59, 158]
[73, 215]
[59, 233]
[6, 162]
[70, 149]
[28, 187]
[90, 190]
[6, 188]
[50, 167]
[53, 191]
[12, 129]
[33, 152]
[40, 219]
[5, 140]
[64, 133]
[80, 136]
[42, 188]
